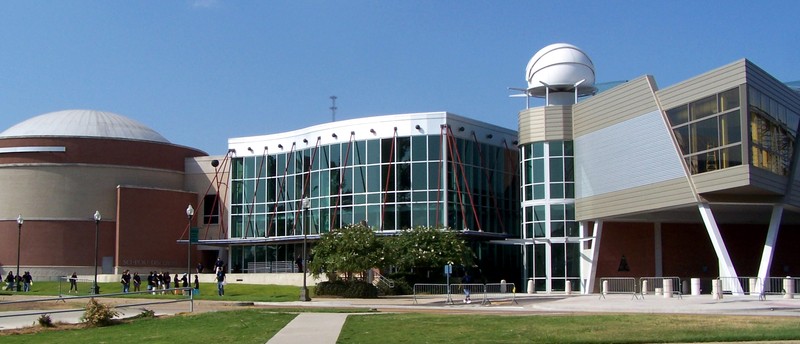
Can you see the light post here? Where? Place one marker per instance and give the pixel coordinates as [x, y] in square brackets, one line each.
[306, 204]
[20, 220]
[189, 214]
[97, 218]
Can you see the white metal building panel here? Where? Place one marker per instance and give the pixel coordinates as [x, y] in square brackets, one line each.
[633, 153]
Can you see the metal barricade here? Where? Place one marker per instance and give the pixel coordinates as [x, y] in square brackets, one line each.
[618, 285]
[773, 286]
[486, 293]
[740, 285]
[658, 282]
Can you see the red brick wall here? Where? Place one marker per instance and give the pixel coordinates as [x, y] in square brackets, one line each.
[149, 224]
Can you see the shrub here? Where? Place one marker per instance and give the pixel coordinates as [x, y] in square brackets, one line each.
[146, 313]
[45, 320]
[98, 314]
[349, 289]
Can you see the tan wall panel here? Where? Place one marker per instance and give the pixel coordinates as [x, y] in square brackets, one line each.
[72, 191]
[727, 178]
[616, 105]
[718, 80]
[647, 198]
[545, 123]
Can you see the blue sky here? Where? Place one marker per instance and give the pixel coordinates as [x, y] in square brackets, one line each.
[200, 72]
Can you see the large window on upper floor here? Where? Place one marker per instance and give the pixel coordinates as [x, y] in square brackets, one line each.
[709, 131]
[773, 129]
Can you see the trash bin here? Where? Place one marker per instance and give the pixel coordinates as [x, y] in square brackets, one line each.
[531, 286]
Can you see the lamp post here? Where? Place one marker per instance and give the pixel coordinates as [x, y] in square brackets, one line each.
[189, 214]
[97, 218]
[306, 204]
[20, 220]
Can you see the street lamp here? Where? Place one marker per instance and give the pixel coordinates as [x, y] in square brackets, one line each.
[306, 204]
[19, 240]
[97, 218]
[189, 214]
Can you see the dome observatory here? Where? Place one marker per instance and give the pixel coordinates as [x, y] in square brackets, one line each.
[560, 73]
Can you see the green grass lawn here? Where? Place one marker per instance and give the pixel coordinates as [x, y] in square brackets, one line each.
[245, 326]
[633, 328]
[259, 325]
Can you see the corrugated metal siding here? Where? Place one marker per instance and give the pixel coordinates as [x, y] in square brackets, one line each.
[768, 84]
[794, 197]
[631, 154]
[722, 179]
[703, 85]
[665, 194]
[545, 123]
[616, 105]
[767, 180]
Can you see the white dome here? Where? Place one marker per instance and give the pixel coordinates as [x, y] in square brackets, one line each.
[560, 66]
[84, 123]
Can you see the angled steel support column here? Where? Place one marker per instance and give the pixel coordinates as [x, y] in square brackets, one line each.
[769, 245]
[590, 258]
[726, 268]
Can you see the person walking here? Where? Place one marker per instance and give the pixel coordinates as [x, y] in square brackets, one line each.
[10, 281]
[27, 281]
[221, 282]
[137, 281]
[73, 282]
[126, 281]
[465, 281]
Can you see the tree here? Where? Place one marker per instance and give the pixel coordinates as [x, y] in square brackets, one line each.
[426, 247]
[346, 251]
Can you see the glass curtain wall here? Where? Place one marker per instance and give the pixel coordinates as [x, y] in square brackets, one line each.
[389, 184]
[548, 198]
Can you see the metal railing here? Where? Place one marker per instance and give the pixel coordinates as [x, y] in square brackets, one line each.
[618, 285]
[381, 279]
[271, 267]
[185, 292]
[648, 284]
[487, 293]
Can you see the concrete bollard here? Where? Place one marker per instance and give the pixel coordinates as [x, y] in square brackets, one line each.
[667, 283]
[752, 285]
[568, 288]
[644, 287]
[658, 291]
[695, 286]
[531, 287]
[788, 286]
[685, 287]
[716, 289]
[605, 287]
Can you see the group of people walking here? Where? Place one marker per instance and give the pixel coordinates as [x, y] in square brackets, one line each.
[155, 280]
[13, 282]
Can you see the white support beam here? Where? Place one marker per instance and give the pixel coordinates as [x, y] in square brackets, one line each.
[591, 255]
[769, 244]
[726, 268]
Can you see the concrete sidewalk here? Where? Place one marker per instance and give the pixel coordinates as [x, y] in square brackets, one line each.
[317, 328]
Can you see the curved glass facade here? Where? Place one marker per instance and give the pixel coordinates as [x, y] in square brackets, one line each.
[390, 184]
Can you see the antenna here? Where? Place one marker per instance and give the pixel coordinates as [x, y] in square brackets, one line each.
[333, 107]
